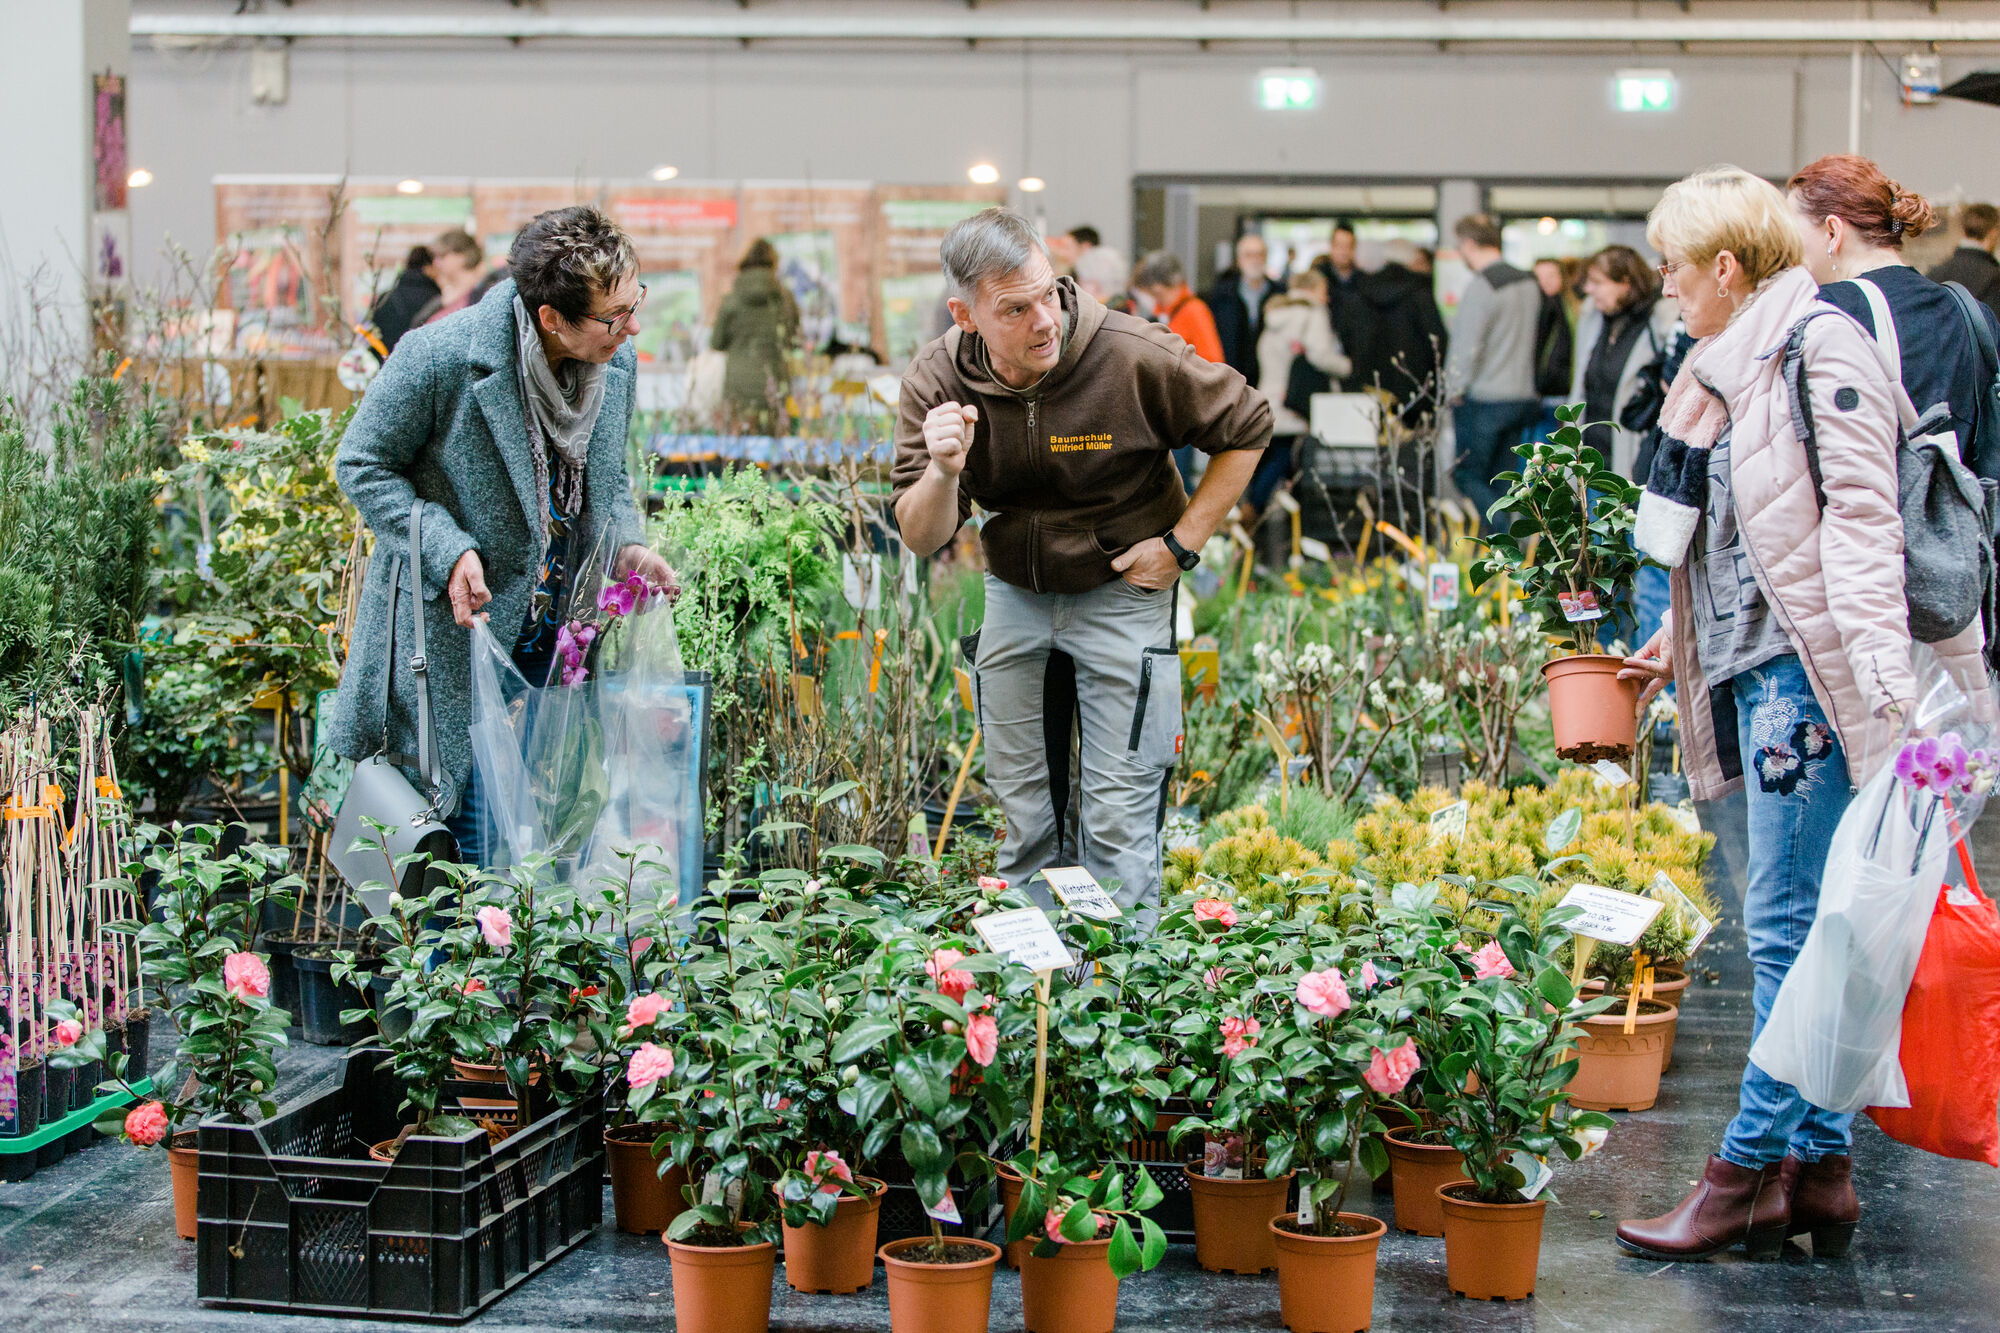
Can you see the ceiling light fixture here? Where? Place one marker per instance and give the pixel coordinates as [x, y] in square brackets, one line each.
[982, 173]
[139, 179]
[665, 173]
[1031, 184]
[409, 187]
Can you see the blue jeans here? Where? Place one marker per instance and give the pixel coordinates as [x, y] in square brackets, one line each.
[1488, 435]
[1654, 600]
[467, 825]
[1795, 788]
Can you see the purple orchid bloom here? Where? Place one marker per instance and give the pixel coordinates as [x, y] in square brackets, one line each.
[616, 599]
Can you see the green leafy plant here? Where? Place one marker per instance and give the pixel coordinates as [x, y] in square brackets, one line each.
[1570, 534]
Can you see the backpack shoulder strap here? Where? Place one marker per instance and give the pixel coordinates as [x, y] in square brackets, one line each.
[1794, 372]
[1885, 328]
[1982, 333]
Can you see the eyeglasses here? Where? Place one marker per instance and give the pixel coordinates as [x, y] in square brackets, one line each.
[1667, 270]
[612, 323]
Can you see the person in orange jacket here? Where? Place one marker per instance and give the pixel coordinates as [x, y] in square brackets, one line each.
[1163, 281]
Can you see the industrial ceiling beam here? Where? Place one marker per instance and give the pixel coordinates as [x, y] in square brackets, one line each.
[929, 23]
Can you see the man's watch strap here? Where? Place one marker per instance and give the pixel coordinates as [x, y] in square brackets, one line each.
[1185, 558]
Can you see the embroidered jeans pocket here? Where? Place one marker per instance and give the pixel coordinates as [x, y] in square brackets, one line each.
[1156, 715]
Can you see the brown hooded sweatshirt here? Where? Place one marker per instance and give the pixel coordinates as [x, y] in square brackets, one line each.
[1077, 469]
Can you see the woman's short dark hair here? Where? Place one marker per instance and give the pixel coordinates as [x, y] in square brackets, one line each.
[460, 243]
[567, 257]
[1621, 263]
[761, 254]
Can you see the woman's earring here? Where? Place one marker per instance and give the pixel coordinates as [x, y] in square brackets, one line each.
[1835, 264]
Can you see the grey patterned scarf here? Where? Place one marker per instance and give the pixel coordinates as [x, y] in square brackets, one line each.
[561, 407]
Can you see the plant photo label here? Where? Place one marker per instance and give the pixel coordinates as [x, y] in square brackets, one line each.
[1580, 606]
[1450, 821]
[1442, 591]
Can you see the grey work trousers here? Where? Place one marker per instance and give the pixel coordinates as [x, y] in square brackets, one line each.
[1128, 690]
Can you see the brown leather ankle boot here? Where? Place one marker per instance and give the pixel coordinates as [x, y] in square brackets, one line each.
[1824, 1204]
[1729, 1203]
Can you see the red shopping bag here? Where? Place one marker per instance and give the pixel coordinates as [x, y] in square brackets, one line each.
[1951, 1035]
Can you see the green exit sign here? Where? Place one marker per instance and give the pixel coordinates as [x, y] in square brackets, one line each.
[1288, 89]
[1645, 90]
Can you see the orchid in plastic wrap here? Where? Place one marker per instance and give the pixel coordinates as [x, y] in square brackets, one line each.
[572, 644]
[628, 594]
[1942, 764]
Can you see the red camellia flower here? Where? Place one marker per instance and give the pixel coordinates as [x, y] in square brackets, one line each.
[67, 1032]
[952, 983]
[1215, 909]
[146, 1125]
[1239, 1035]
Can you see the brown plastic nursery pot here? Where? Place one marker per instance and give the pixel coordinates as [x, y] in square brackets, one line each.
[385, 1151]
[1010, 1194]
[1595, 714]
[473, 1073]
[839, 1257]
[1669, 984]
[1232, 1232]
[184, 1163]
[1418, 1169]
[1616, 1071]
[1073, 1291]
[939, 1298]
[1326, 1284]
[643, 1200]
[1491, 1250]
[722, 1288]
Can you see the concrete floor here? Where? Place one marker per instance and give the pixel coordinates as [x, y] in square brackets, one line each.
[89, 1245]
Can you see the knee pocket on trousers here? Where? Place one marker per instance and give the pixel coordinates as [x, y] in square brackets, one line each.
[1155, 738]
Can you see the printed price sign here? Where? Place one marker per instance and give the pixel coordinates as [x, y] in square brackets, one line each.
[1026, 937]
[1609, 916]
[1081, 893]
[1450, 821]
[1662, 884]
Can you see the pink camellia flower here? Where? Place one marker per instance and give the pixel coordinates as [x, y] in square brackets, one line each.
[644, 1009]
[1213, 978]
[472, 986]
[640, 945]
[952, 982]
[828, 1168]
[497, 925]
[1052, 1223]
[1368, 977]
[245, 976]
[649, 1065]
[1491, 961]
[1324, 993]
[991, 883]
[1215, 909]
[67, 1032]
[1239, 1035]
[982, 1039]
[146, 1124]
[1390, 1071]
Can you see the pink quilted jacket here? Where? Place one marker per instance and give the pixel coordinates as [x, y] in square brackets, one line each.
[1835, 580]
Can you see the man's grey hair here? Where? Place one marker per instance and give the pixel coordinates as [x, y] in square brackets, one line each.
[1162, 268]
[992, 243]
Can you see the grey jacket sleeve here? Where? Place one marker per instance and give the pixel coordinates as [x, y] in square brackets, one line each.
[1468, 336]
[395, 422]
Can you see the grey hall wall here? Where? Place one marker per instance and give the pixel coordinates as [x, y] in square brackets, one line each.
[1087, 122]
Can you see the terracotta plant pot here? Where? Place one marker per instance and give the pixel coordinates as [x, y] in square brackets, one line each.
[722, 1289]
[939, 1298]
[643, 1200]
[839, 1257]
[473, 1073]
[1010, 1194]
[1232, 1221]
[185, 1165]
[1595, 714]
[1326, 1284]
[1669, 984]
[385, 1151]
[1617, 1072]
[1074, 1291]
[1418, 1169]
[1491, 1250]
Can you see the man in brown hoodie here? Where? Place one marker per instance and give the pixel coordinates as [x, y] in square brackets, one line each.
[1059, 417]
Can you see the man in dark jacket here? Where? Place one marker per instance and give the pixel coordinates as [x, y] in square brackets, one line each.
[1972, 265]
[1060, 417]
[1237, 302]
[395, 311]
[1353, 318]
[1409, 341]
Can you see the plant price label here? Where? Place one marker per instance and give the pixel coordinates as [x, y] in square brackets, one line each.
[1450, 821]
[1081, 893]
[1578, 607]
[1609, 916]
[1537, 1172]
[1614, 774]
[861, 581]
[1441, 593]
[1026, 936]
[945, 1209]
[1672, 891]
[1312, 548]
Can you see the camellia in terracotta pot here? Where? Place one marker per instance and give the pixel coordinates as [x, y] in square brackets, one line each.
[1579, 513]
[1420, 1161]
[1082, 1238]
[646, 1193]
[830, 1217]
[940, 1283]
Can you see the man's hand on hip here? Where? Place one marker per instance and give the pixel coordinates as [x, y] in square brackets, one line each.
[1149, 565]
[467, 590]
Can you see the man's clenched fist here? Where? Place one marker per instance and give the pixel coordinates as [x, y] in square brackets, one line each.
[948, 434]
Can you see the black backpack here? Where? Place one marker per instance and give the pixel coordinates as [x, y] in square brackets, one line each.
[1982, 452]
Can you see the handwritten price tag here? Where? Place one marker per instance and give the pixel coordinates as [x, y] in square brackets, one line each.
[1081, 893]
[1610, 916]
[1025, 936]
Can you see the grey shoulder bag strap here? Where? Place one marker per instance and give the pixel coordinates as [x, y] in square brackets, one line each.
[379, 790]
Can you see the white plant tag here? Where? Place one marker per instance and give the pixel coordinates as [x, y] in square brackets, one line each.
[1579, 607]
[861, 581]
[1306, 1215]
[1081, 893]
[1538, 1172]
[1663, 884]
[711, 1188]
[1450, 821]
[1312, 548]
[1613, 773]
[1026, 937]
[1609, 916]
[1442, 594]
[945, 1209]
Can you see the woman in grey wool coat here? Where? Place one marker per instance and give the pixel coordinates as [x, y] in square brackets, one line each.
[509, 419]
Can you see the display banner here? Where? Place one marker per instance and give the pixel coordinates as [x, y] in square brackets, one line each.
[273, 232]
[824, 235]
[379, 229]
[686, 238]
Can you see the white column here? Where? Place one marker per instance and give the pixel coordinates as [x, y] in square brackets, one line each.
[52, 227]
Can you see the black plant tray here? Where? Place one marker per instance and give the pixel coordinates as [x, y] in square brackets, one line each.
[294, 1216]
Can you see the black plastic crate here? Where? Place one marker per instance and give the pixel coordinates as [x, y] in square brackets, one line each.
[1175, 1211]
[293, 1215]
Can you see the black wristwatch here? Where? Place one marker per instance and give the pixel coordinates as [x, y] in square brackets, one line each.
[1183, 557]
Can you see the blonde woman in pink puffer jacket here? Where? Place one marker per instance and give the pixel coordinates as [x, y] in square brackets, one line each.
[1789, 641]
